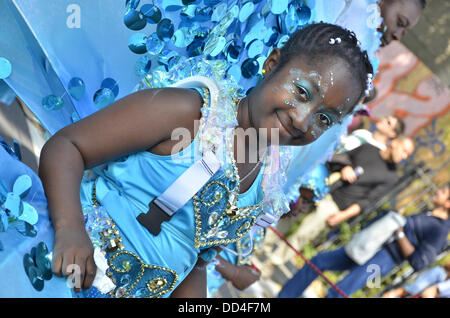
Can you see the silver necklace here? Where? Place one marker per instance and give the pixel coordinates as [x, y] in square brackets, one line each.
[251, 171]
[259, 160]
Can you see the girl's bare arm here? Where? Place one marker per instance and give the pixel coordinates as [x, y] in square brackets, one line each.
[135, 123]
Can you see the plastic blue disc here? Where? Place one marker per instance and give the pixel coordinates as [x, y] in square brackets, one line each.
[5, 68]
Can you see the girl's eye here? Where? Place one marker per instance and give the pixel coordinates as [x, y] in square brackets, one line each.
[324, 120]
[304, 94]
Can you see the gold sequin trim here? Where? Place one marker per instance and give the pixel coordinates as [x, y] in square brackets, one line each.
[151, 286]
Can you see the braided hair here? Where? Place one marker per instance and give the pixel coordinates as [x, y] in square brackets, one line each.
[321, 40]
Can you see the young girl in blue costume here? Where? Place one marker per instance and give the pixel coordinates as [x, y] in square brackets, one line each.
[299, 96]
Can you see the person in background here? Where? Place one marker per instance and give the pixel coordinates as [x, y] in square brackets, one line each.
[387, 129]
[425, 285]
[354, 194]
[419, 242]
[367, 173]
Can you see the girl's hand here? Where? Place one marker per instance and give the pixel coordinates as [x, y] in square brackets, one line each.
[73, 254]
[245, 277]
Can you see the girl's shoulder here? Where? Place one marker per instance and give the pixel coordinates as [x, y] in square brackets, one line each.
[182, 103]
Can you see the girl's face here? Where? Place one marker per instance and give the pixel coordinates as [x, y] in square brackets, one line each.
[302, 100]
[398, 17]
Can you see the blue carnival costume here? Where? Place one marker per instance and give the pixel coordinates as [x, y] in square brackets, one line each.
[69, 60]
[139, 263]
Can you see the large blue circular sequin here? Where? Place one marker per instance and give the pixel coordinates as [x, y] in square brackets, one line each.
[151, 13]
[171, 5]
[154, 45]
[5, 68]
[246, 10]
[52, 102]
[303, 15]
[196, 47]
[278, 6]
[250, 67]
[291, 19]
[214, 45]
[111, 84]
[183, 37]
[134, 20]
[265, 10]
[258, 31]
[76, 88]
[103, 97]
[137, 43]
[219, 12]
[255, 48]
[36, 278]
[165, 29]
[232, 52]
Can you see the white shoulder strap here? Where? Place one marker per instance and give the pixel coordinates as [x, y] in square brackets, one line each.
[190, 182]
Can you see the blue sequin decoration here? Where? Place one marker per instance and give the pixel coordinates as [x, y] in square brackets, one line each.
[165, 29]
[246, 11]
[134, 20]
[5, 68]
[303, 14]
[143, 65]
[103, 97]
[183, 37]
[171, 5]
[250, 67]
[154, 45]
[188, 12]
[111, 84]
[219, 12]
[76, 88]
[152, 13]
[52, 102]
[255, 48]
[278, 6]
[137, 43]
